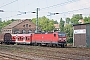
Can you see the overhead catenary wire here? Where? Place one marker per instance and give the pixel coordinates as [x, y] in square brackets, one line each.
[69, 1]
[75, 10]
[61, 4]
[8, 3]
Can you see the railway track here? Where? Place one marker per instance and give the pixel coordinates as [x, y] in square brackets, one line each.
[13, 57]
[59, 51]
[51, 53]
[56, 54]
[59, 56]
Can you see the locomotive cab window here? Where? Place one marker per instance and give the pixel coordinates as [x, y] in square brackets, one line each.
[54, 35]
[62, 34]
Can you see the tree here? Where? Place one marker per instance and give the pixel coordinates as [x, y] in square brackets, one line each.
[51, 25]
[55, 22]
[0, 26]
[61, 25]
[12, 20]
[85, 19]
[67, 20]
[69, 32]
[88, 19]
[5, 23]
[44, 23]
[76, 18]
[34, 20]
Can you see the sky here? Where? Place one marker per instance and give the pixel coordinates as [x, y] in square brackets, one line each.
[14, 9]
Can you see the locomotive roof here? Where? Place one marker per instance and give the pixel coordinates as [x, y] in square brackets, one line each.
[49, 32]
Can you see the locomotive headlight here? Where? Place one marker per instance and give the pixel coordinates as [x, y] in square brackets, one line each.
[64, 38]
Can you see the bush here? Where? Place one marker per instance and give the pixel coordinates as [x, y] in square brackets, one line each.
[70, 40]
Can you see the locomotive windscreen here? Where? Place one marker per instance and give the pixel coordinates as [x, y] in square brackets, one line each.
[62, 34]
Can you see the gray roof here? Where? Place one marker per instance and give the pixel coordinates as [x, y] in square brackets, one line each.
[14, 24]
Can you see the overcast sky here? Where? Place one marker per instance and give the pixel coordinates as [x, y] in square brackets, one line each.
[66, 8]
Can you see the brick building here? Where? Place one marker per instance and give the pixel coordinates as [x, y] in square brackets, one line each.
[20, 26]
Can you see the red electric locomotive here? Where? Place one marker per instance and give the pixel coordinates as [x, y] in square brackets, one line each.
[50, 39]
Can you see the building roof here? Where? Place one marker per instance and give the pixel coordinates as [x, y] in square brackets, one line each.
[56, 25]
[14, 23]
[80, 24]
[81, 21]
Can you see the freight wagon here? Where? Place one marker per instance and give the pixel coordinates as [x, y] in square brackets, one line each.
[6, 39]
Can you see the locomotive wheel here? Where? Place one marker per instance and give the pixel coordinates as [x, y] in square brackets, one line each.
[39, 44]
[34, 44]
[62, 45]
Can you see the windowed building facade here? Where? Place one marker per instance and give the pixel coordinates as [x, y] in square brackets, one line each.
[20, 27]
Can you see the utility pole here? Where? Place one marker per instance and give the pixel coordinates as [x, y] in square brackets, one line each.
[37, 20]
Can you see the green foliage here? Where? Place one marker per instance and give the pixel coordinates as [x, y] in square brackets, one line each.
[51, 25]
[70, 40]
[34, 20]
[44, 23]
[5, 23]
[1, 26]
[69, 32]
[67, 20]
[55, 22]
[87, 19]
[62, 25]
[76, 18]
